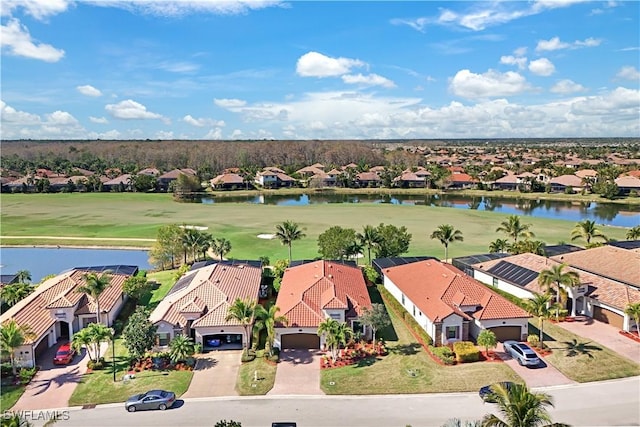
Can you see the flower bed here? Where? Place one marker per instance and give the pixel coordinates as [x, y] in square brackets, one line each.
[163, 363]
[631, 335]
[352, 354]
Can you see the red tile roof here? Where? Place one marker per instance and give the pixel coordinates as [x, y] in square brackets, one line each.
[309, 288]
[609, 261]
[227, 178]
[439, 290]
[462, 177]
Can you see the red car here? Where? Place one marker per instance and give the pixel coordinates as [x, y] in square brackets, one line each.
[64, 355]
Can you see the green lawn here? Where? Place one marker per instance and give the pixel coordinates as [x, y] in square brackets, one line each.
[98, 387]
[409, 369]
[580, 359]
[9, 395]
[166, 280]
[135, 215]
[246, 385]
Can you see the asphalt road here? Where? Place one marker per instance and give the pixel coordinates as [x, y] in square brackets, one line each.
[609, 403]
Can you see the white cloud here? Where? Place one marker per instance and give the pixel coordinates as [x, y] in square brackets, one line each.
[164, 135]
[89, 90]
[229, 103]
[237, 134]
[628, 72]
[202, 121]
[16, 40]
[542, 67]
[178, 67]
[314, 64]
[61, 118]
[491, 84]
[11, 115]
[567, 86]
[555, 43]
[130, 110]
[214, 134]
[98, 120]
[173, 8]
[39, 9]
[520, 62]
[368, 80]
[417, 24]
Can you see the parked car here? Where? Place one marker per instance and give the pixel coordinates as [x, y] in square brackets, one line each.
[486, 392]
[522, 353]
[153, 399]
[64, 355]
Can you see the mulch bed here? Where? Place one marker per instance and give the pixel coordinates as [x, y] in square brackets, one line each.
[630, 335]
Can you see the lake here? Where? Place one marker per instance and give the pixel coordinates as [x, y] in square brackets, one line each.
[621, 215]
[41, 262]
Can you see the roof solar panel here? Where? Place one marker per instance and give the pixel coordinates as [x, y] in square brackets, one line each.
[513, 273]
[182, 283]
[554, 250]
[626, 244]
[128, 270]
[381, 263]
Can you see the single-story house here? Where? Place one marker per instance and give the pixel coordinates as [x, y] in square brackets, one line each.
[314, 291]
[368, 179]
[451, 306]
[229, 181]
[120, 182]
[564, 182]
[56, 309]
[628, 183]
[269, 178]
[198, 304]
[410, 179]
[167, 178]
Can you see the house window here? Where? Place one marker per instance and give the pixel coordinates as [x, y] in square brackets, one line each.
[495, 281]
[420, 313]
[177, 332]
[356, 326]
[452, 332]
[402, 299]
[335, 316]
[163, 339]
[414, 311]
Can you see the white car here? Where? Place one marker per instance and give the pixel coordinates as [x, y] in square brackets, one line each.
[522, 353]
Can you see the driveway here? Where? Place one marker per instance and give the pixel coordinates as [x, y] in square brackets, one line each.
[298, 373]
[53, 385]
[215, 374]
[543, 375]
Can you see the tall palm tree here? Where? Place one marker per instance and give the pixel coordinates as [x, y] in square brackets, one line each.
[587, 230]
[267, 318]
[329, 328]
[221, 246]
[243, 312]
[15, 292]
[538, 306]
[515, 229]
[95, 285]
[205, 244]
[12, 336]
[447, 234]
[499, 245]
[24, 276]
[368, 238]
[556, 276]
[633, 310]
[353, 250]
[80, 339]
[287, 233]
[634, 233]
[180, 348]
[520, 407]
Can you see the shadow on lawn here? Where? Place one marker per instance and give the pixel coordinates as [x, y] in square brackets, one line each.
[405, 349]
[575, 348]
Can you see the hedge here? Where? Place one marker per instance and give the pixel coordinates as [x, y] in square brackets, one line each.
[444, 353]
[466, 351]
[401, 311]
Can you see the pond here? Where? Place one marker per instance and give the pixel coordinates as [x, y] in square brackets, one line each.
[622, 215]
[41, 262]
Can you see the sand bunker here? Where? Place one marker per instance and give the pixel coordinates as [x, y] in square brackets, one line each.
[266, 236]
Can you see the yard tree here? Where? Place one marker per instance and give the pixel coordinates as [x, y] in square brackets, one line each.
[12, 336]
[376, 318]
[180, 348]
[328, 328]
[587, 230]
[334, 242]
[527, 246]
[168, 243]
[514, 228]
[558, 278]
[96, 333]
[393, 241]
[487, 339]
[24, 276]
[368, 238]
[267, 318]
[136, 287]
[80, 339]
[446, 234]
[538, 306]
[94, 285]
[221, 247]
[519, 407]
[15, 292]
[633, 233]
[143, 183]
[139, 334]
[499, 246]
[243, 312]
[633, 310]
[288, 232]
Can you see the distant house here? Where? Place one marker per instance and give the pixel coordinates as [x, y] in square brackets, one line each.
[451, 306]
[313, 292]
[121, 182]
[627, 184]
[462, 180]
[270, 178]
[228, 181]
[149, 171]
[310, 171]
[368, 179]
[167, 178]
[198, 304]
[563, 182]
[410, 179]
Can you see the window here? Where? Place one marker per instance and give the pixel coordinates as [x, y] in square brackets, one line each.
[452, 332]
[414, 311]
[356, 326]
[163, 338]
[420, 313]
[495, 281]
[402, 299]
[335, 316]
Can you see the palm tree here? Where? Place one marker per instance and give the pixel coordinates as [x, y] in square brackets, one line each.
[243, 312]
[538, 306]
[586, 229]
[287, 233]
[15, 292]
[91, 337]
[634, 233]
[520, 407]
[267, 318]
[180, 348]
[24, 276]
[221, 246]
[329, 328]
[80, 339]
[447, 234]
[205, 243]
[633, 310]
[353, 250]
[12, 336]
[369, 238]
[94, 286]
[499, 245]
[556, 276]
[513, 228]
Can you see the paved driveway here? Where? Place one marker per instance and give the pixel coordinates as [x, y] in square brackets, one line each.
[215, 374]
[544, 375]
[298, 373]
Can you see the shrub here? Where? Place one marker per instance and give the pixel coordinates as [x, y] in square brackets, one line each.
[198, 348]
[445, 354]
[96, 366]
[6, 369]
[466, 351]
[26, 374]
[247, 356]
[533, 340]
[274, 358]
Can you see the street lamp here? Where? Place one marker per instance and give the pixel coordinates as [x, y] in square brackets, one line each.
[113, 352]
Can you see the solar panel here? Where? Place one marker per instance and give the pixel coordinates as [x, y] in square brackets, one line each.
[295, 263]
[513, 273]
[182, 283]
[465, 263]
[252, 263]
[128, 270]
[554, 250]
[626, 244]
[381, 263]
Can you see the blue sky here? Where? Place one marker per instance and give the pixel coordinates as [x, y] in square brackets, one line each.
[319, 70]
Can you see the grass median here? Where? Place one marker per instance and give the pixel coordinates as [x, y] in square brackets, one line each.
[265, 371]
[9, 395]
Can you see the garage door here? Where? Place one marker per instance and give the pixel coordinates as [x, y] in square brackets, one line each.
[41, 349]
[303, 341]
[608, 316]
[504, 333]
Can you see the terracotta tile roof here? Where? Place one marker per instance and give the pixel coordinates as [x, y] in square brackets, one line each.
[211, 291]
[409, 177]
[462, 177]
[586, 173]
[227, 178]
[284, 177]
[309, 288]
[635, 173]
[609, 261]
[173, 174]
[628, 182]
[567, 181]
[611, 292]
[273, 169]
[440, 289]
[367, 176]
[122, 179]
[508, 179]
[311, 170]
[59, 292]
[149, 171]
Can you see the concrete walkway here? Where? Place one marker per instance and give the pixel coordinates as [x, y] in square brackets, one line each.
[298, 373]
[604, 334]
[53, 385]
[215, 374]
